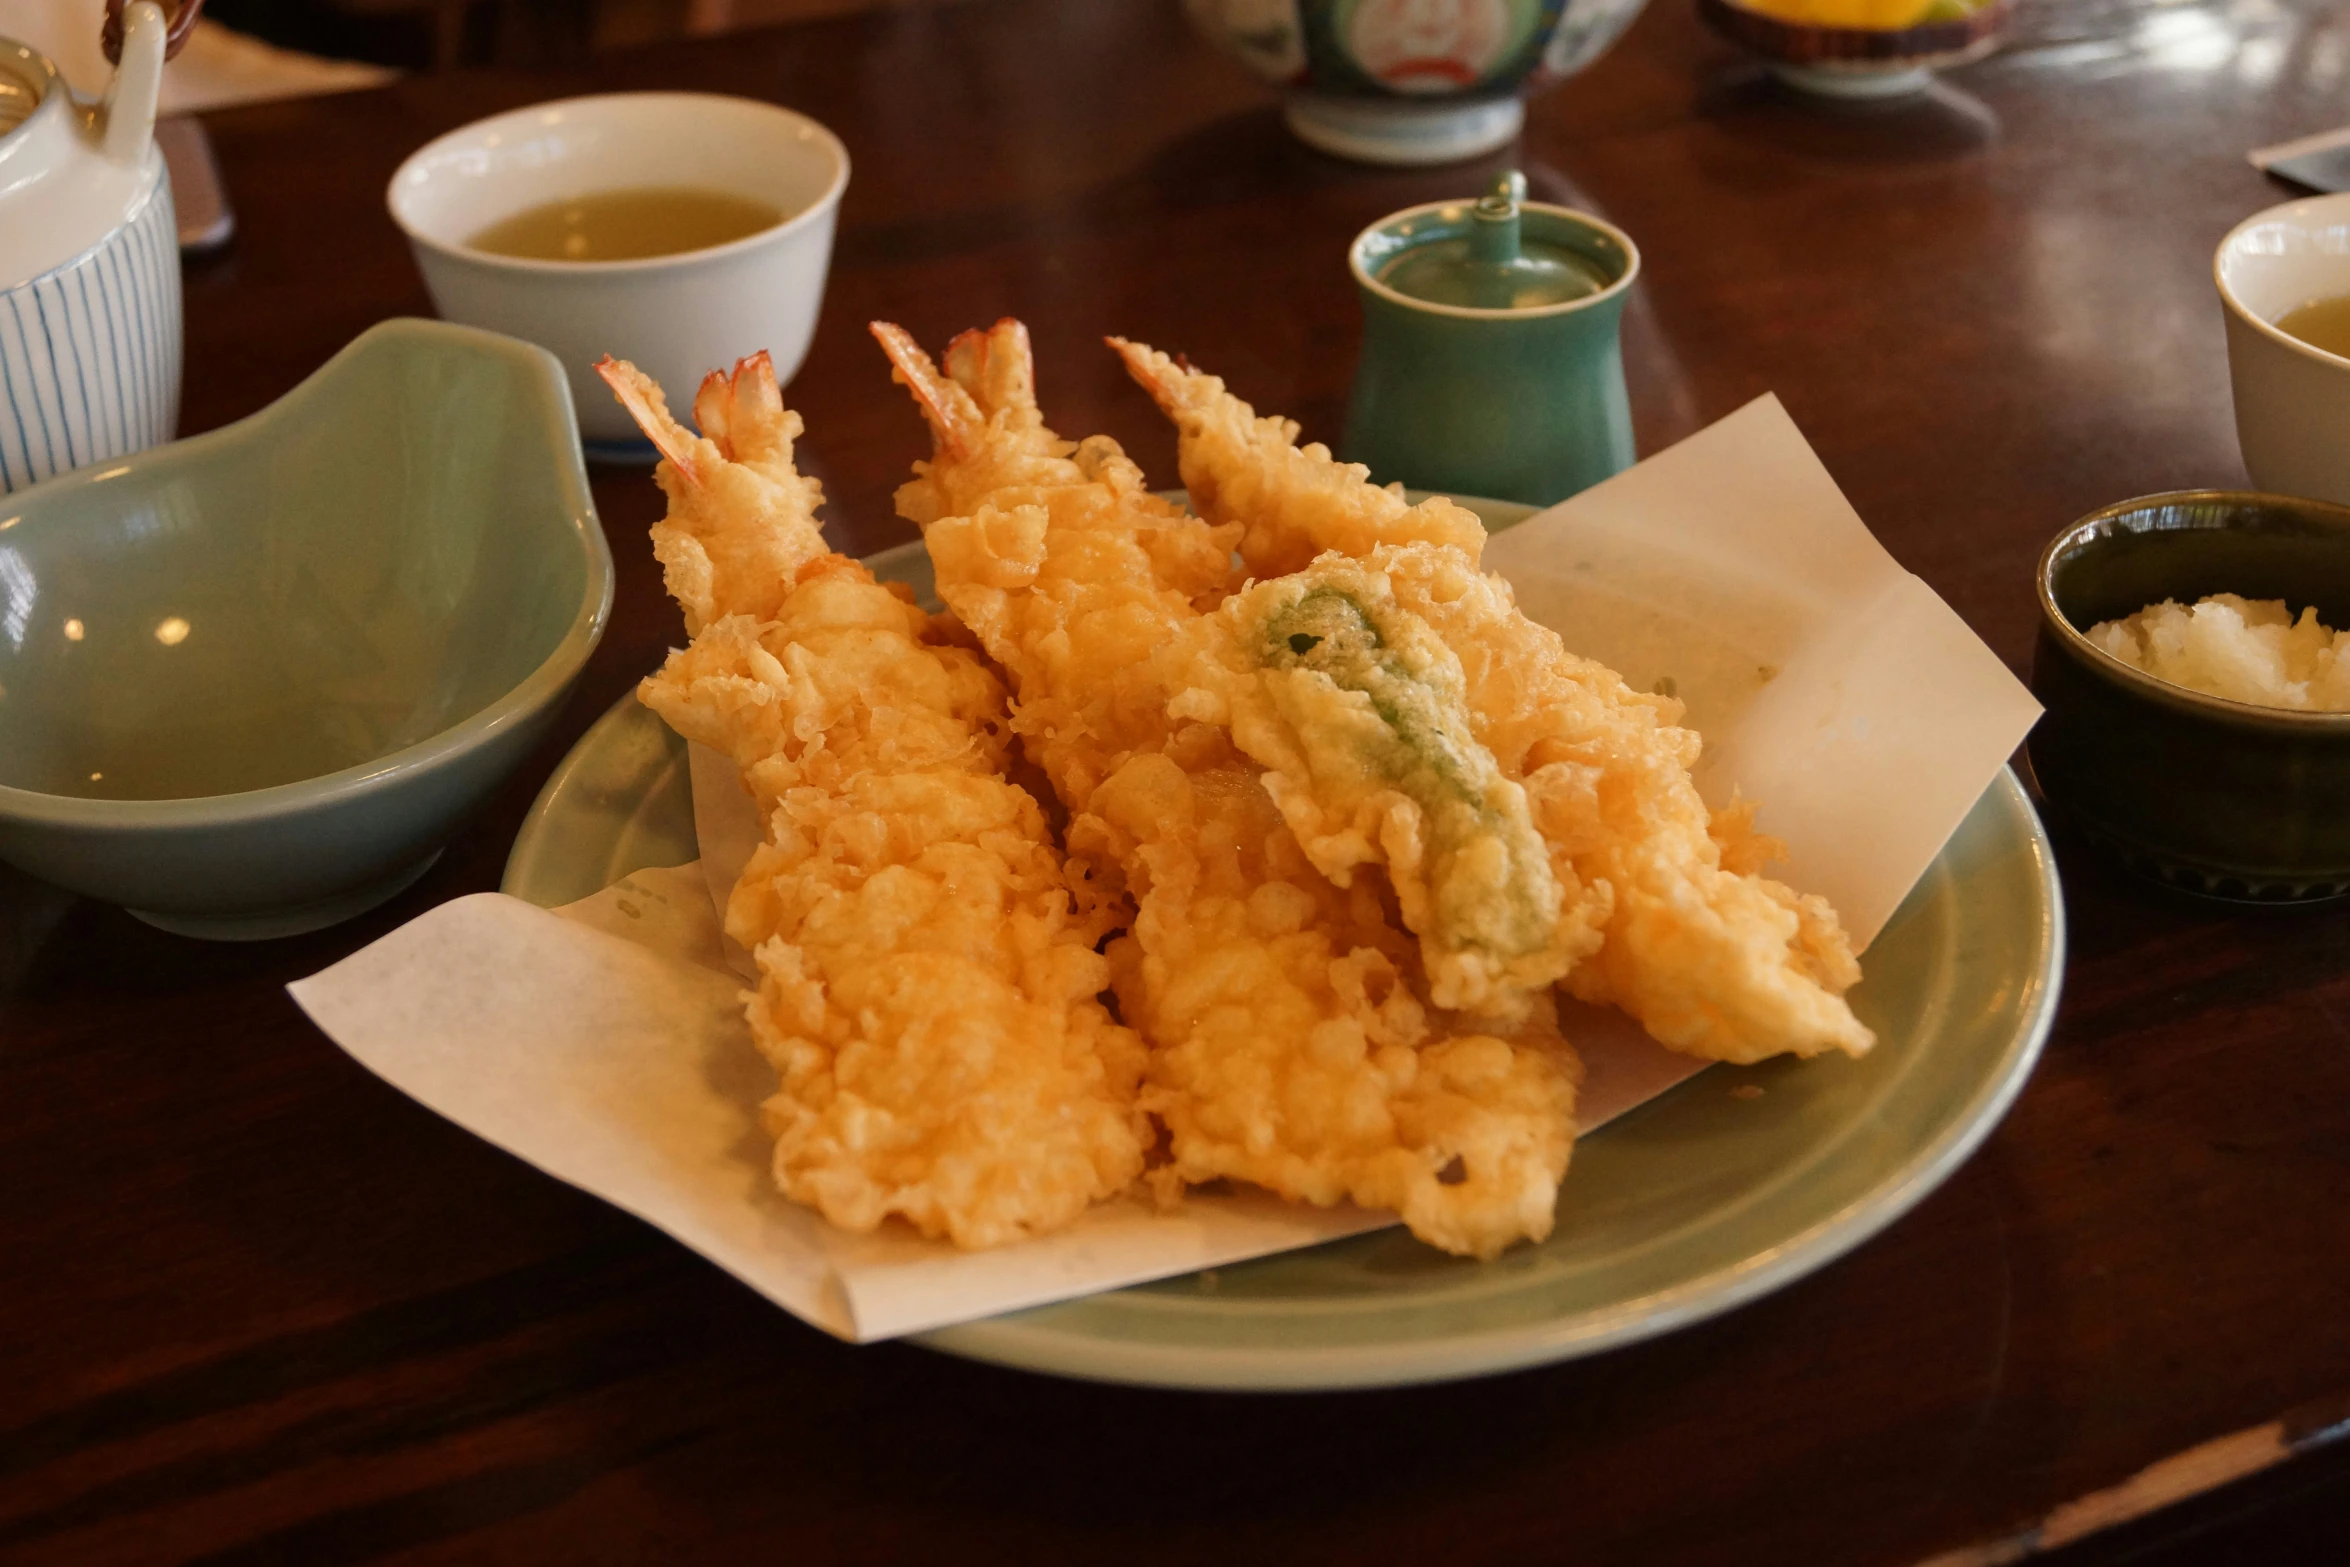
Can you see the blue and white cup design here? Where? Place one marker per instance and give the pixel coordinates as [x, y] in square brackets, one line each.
[90, 350]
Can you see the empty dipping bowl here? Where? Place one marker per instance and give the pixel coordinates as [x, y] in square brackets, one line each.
[252, 681]
[2214, 796]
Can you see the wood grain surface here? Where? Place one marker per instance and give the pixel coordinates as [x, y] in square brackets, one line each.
[256, 1307]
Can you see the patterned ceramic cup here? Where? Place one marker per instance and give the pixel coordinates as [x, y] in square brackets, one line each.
[89, 264]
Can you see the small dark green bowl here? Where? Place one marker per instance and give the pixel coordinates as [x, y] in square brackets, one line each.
[2220, 798]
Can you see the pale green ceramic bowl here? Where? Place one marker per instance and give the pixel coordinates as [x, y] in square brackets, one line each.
[251, 682]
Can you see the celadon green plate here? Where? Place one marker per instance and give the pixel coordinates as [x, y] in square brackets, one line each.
[1706, 1197]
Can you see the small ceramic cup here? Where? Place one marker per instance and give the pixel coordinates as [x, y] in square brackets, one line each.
[1522, 404]
[2292, 400]
[677, 317]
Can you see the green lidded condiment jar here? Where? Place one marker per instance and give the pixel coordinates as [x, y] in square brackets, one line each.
[1491, 359]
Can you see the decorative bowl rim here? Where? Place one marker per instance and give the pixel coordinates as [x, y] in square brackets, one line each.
[1614, 290]
[2075, 641]
[774, 233]
[2338, 201]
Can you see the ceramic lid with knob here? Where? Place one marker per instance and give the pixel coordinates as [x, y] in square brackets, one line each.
[1493, 264]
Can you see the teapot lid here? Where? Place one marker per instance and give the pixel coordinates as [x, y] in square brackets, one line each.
[1491, 262]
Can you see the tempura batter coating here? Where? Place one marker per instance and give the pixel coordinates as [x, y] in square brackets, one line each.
[1291, 503]
[1712, 958]
[1057, 549]
[926, 995]
[735, 536]
[1290, 1046]
[1357, 711]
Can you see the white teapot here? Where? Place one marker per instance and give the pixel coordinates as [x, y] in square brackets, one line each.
[89, 259]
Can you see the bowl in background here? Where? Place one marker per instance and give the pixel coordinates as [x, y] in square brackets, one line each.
[1411, 81]
[1859, 62]
[673, 316]
[2216, 797]
[250, 682]
[2292, 399]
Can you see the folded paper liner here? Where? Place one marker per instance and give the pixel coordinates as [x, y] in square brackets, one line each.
[605, 1042]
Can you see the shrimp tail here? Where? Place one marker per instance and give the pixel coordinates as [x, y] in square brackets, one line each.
[998, 368]
[713, 404]
[641, 396]
[743, 414]
[956, 422]
[1172, 385]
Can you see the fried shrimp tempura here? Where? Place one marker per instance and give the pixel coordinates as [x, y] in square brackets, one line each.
[1714, 959]
[1055, 547]
[1290, 1047]
[1358, 713]
[1291, 502]
[925, 994]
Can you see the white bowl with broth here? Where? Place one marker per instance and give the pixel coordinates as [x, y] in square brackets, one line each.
[680, 231]
[2284, 277]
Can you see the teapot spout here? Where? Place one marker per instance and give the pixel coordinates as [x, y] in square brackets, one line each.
[126, 124]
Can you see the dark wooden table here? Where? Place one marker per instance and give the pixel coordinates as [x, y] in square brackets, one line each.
[257, 1307]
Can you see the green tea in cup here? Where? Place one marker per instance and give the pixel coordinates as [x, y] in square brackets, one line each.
[2284, 289]
[2323, 323]
[626, 225]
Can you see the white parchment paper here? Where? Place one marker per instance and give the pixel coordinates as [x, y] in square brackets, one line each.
[1830, 685]
[605, 1042]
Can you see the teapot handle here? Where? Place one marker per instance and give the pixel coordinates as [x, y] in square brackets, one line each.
[139, 41]
[183, 21]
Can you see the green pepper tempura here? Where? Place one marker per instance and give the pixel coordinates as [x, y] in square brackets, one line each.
[1358, 712]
